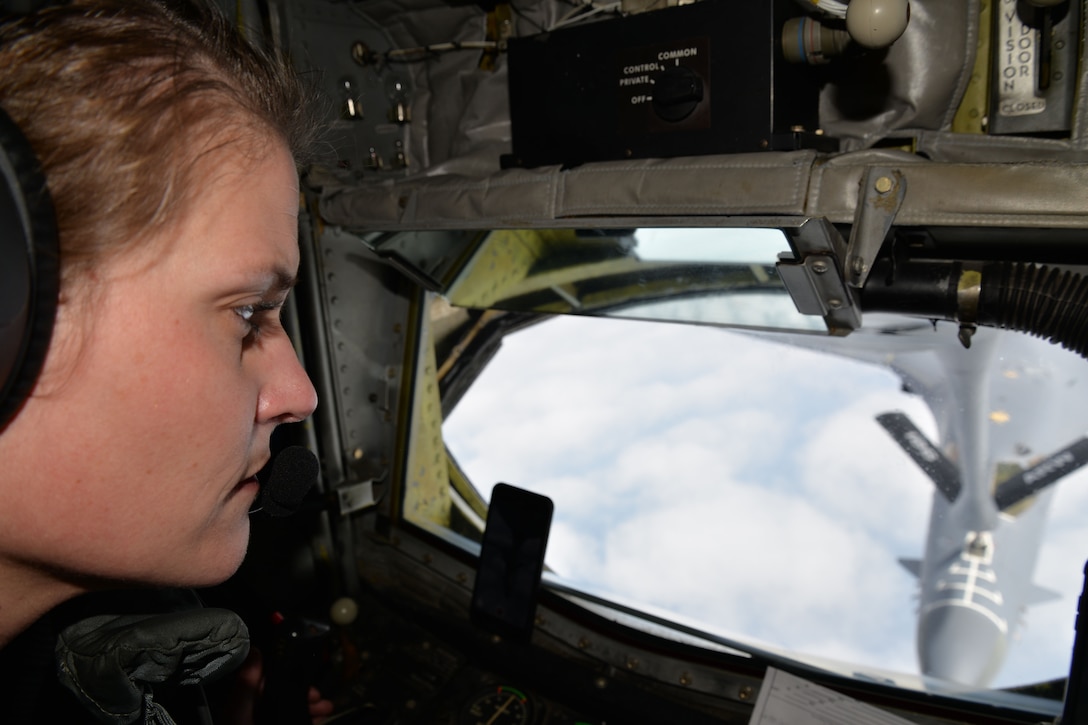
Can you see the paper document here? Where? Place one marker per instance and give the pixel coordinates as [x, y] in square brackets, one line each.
[786, 699]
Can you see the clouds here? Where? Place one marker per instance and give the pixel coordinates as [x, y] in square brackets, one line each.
[735, 481]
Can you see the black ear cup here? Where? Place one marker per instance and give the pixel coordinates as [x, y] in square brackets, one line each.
[29, 269]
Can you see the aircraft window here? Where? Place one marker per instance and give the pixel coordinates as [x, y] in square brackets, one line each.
[746, 484]
[713, 275]
[710, 245]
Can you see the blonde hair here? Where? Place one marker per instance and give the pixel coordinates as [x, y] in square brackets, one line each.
[121, 99]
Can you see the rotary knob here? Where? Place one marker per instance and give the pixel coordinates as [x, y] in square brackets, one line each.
[678, 90]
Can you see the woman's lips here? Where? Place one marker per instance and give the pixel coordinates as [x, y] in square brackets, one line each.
[247, 483]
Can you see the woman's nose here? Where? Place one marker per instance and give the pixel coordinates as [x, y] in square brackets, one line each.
[287, 396]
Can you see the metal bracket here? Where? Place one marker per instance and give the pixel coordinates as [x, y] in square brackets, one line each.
[814, 284]
[814, 280]
[356, 497]
[881, 196]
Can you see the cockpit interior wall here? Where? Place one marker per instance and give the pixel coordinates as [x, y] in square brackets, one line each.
[903, 106]
[461, 119]
[911, 89]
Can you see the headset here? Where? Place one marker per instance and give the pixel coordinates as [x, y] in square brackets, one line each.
[29, 269]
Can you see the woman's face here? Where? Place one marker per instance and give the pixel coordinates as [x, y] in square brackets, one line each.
[134, 459]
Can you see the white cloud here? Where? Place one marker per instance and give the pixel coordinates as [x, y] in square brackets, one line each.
[735, 481]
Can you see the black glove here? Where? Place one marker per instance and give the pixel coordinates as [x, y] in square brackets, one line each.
[111, 662]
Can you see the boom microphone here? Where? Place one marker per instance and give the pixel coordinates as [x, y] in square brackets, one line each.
[294, 470]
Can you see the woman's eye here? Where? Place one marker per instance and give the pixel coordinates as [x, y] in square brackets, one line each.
[249, 315]
[246, 312]
[258, 317]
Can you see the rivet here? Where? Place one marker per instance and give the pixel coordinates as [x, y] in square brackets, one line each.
[600, 683]
[746, 693]
[583, 643]
[357, 454]
[632, 663]
[834, 303]
[685, 679]
[883, 185]
[819, 266]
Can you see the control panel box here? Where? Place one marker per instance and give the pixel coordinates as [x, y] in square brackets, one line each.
[696, 79]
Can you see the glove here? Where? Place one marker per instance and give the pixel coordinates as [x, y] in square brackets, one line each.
[111, 662]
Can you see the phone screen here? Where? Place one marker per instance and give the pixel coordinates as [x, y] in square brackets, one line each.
[511, 561]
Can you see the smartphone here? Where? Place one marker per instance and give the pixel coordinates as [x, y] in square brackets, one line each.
[511, 561]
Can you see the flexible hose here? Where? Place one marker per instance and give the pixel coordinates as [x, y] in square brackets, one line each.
[1047, 302]
[1043, 301]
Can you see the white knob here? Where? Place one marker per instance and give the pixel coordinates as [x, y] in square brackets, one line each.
[344, 611]
[877, 23]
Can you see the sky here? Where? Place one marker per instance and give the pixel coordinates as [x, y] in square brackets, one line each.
[737, 482]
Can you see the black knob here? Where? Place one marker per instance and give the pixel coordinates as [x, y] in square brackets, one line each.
[678, 90]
